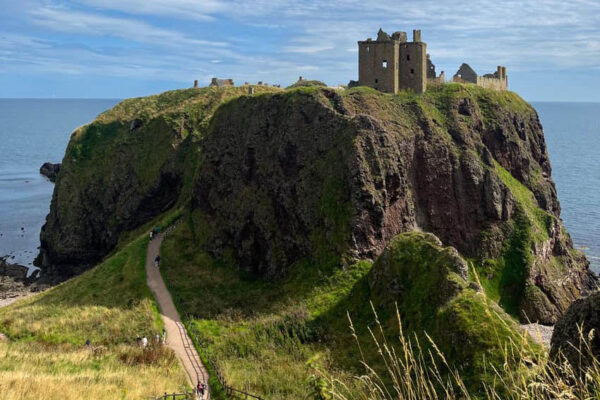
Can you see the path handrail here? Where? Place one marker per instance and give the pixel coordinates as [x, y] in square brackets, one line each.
[175, 396]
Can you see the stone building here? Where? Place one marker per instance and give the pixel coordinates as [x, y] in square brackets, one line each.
[391, 63]
[498, 80]
[221, 82]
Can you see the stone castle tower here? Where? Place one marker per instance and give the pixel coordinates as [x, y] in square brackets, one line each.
[390, 64]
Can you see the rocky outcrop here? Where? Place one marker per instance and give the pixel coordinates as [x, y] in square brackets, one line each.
[16, 272]
[575, 335]
[428, 283]
[122, 170]
[315, 173]
[50, 171]
[325, 175]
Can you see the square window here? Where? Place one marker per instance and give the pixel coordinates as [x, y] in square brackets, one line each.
[408, 57]
[384, 64]
[412, 71]
[376, 80]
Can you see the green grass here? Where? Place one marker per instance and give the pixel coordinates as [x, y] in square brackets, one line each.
[270, 336]
[110, 305]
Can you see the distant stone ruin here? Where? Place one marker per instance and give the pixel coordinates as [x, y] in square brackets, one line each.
[497, 80]
[391, 64]
[221, 82]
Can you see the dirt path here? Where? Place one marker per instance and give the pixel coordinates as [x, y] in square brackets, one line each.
[177, 337]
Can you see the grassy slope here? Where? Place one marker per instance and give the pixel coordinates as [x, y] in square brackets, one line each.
[279, 339]
[110, 305]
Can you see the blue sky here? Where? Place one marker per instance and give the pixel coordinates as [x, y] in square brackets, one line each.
[125, 48]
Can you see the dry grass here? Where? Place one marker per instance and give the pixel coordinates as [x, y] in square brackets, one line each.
[46, 356]
[416, 371]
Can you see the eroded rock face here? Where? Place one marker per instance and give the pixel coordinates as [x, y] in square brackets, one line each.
[105, 190]
[309, 174]
[50, 171]
[566, 339]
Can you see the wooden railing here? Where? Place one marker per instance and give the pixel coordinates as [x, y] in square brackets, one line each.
[202, 348]
[212, 361]
[177, 396]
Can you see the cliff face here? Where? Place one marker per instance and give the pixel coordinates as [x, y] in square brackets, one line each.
[314, 173]
[120, 171]
[332, 176]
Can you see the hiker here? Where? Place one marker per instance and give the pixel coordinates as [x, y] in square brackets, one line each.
[151, 235]
[202, 389]
[157, 337]
[144, 341]
[157, 261]
[164, 336]
[138, 340]
[87, 343]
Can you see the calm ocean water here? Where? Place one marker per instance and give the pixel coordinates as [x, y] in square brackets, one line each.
[573, 138]
[35, 131]
[31, 133]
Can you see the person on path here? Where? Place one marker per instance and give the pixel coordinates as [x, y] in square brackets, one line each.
[157, 261]
[157, 338]
[144, 341]
[151, 235]
[164, 336]
[202, 389]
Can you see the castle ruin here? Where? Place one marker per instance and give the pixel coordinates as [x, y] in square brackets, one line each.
[497, 80]
[221, 82]
[391, 64]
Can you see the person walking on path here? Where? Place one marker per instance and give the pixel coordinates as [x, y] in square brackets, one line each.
[164, 336]
[144, 341]
[157, 261]
[151, 235]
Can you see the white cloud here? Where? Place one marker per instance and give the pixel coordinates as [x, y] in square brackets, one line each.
[85, 23]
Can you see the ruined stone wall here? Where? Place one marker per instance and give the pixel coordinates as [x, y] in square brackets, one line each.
[413, 66]
[492, 83]
[378, 65]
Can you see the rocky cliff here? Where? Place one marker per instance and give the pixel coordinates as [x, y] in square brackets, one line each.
[120, 171]
[328, 175]
[322, 174]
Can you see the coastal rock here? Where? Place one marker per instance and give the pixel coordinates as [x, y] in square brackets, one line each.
[567, 339]
[50, 171]
[16, 271]
[325, 175]
[318, 174]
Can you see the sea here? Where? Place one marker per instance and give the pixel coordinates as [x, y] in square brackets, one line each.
[34, 131]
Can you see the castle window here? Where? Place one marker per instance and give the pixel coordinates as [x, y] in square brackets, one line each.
[412, 71]
[408, 57]
[376, 80]
[384, 64]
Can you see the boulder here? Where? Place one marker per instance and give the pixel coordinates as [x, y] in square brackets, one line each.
[50, 171]
[578, 328]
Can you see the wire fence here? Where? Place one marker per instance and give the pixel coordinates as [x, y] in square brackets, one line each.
[201, 346]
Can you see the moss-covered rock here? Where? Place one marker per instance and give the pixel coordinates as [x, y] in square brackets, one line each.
[121, 170]
[428, 282]
[328, 175]
[334, 175]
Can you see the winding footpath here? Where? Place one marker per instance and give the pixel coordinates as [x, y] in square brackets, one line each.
[177, 336]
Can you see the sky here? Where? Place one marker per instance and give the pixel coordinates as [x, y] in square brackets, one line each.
[128, 48]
